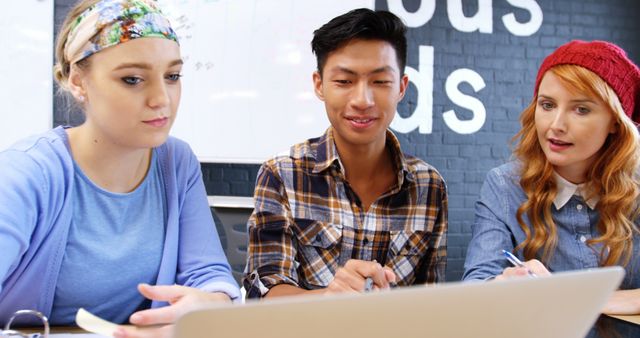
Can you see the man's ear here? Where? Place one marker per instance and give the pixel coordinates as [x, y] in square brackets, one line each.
[404, 83]
[317, 85]
[76, 85]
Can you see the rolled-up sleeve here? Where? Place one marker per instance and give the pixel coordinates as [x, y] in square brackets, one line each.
[272, 248]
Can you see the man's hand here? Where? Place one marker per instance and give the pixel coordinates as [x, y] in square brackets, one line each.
[157, 322]
[351, 277]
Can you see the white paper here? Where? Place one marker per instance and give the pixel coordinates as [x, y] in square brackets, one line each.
[95, 324]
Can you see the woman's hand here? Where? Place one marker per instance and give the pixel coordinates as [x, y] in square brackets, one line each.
[534, 266]
[159, 322]
[623, 302]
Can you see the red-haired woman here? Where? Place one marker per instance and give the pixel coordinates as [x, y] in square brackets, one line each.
[569, 201]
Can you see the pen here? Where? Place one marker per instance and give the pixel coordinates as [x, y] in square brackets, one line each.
[516, 262]
[368, 284]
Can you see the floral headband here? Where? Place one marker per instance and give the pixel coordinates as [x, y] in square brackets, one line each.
[111, 22]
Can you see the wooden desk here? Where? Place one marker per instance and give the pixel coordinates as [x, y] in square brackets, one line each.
[632, 319]
[605, 327]
[53, 329]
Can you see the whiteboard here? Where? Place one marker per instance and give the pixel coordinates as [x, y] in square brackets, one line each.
[26, 37]
[247, 88]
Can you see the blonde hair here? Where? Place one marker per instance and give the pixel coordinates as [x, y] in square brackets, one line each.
[613, 177]
[62, 67]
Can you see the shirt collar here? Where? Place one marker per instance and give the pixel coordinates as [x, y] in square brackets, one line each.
[327, 154]
[567, 189]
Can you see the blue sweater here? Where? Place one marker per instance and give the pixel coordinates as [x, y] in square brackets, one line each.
[36, 202]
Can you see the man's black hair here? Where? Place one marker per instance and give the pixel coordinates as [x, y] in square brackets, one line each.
[363, 24]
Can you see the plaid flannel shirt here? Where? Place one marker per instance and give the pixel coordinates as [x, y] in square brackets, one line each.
[307, 221]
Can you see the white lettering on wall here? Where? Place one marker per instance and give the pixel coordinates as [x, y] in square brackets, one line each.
[422, 117]
[417, 18]
[482, 21]
[527, 28]
[465, 101]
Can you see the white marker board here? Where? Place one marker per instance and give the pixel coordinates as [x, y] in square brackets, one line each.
[247, 90]
[26, 37]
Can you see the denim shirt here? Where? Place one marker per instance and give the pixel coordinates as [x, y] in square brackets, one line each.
[496, 228]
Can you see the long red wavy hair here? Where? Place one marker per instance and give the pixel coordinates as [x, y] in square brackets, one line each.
[613, 177]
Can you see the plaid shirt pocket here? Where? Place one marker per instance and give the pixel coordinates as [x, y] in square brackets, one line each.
[406, 250]
[318, 252]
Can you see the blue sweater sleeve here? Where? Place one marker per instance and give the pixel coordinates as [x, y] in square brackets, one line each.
[21, 198]
[202, 262]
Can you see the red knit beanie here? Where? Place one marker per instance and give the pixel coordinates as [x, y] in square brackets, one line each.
[609, 62]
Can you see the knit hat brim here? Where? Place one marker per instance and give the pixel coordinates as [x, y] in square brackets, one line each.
[606, 60]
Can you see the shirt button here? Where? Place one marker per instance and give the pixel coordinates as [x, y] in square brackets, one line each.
[579, 206]
[583, 239]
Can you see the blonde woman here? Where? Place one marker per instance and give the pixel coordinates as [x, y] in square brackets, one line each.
[570, 200]
[91, 215]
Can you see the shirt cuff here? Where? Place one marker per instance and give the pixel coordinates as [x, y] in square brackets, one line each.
[229, 289]
[257, 286]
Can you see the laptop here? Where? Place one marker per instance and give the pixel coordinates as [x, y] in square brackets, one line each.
[564, 305]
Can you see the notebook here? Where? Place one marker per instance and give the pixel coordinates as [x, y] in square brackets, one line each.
[563, 305]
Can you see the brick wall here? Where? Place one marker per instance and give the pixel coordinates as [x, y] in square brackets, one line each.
[507, 64]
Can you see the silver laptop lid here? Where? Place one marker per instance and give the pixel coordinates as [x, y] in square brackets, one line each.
[563, 305]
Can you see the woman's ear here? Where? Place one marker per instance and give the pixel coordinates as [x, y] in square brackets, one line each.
[614, 127]
[76, 84]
